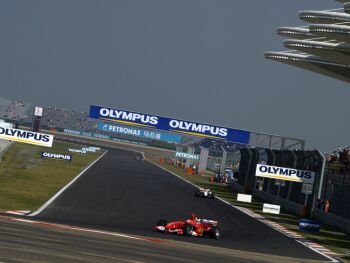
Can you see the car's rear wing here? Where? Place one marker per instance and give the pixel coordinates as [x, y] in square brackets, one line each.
[208, 221]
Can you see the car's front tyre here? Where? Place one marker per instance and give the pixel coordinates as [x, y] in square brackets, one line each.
[188, 230]
[214, 232]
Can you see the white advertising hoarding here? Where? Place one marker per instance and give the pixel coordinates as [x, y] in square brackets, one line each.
[244, 198]
[283, 173]
[26, 137]
[4, 124]
[77, 151]
[187, 155]
[38, 111]
[272, 209]
[88, 149]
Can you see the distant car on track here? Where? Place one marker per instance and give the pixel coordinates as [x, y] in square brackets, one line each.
[190, 227]
[138, 158]
[204, 192]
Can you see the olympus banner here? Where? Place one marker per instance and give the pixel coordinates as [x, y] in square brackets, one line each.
[167, 124]
[56, 156]
[26, 136]
[287, 174]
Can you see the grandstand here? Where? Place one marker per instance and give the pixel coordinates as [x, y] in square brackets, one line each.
[323, 46]
[14, 110]
[59, 119]
[53, 117]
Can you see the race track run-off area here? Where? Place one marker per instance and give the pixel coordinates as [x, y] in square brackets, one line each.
[119, 193]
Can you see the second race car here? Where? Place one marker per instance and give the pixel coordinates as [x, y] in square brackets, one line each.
[204, 192]
[190, 227]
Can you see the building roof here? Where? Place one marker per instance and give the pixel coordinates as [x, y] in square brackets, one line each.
[323, 46]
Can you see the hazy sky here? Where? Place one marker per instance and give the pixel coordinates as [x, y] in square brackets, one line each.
[200, 60]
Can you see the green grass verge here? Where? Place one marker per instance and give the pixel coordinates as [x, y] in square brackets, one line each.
[27, 181]
[329, 237]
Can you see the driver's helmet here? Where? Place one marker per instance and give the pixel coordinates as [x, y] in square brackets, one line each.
[194, 217]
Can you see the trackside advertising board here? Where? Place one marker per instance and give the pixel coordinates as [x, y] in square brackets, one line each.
[168, 124]
[77, 151]
[272, 209]
[244, 198]
[187, 155]
[26, 136]
[309, 225]
[139, 132]
[287, 174]
[56, 156]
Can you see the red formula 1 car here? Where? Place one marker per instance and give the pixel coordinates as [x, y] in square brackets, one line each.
[190, 227]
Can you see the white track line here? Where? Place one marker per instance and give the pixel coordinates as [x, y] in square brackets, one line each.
[64, 188]
[89, 230]
[251, 215]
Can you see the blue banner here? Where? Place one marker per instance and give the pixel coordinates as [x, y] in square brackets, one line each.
[309, 225]
[167, 124]
[139, 133]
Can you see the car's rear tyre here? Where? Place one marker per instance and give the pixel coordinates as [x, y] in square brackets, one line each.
[162, 222]
[214, 232]
[188, 230]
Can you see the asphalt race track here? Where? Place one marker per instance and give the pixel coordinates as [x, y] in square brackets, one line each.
[23, 242]
[121, 194]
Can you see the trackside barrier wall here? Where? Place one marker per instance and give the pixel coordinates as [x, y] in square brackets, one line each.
[330, 219]
[273, 199]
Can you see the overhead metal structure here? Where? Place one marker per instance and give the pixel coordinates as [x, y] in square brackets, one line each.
[323, 46]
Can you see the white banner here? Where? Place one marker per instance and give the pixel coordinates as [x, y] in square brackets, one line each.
[38, 111]
[88, 149]
[244, 198]
[26, 137]
[287, 174]
[95, 148]
[76, 151]
[187, 155]
[56, 156]
[272, 209]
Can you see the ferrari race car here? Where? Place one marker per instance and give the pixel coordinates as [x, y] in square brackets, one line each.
[204, 192]
[190, 227]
